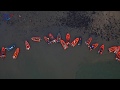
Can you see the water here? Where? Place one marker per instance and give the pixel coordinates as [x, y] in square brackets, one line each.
[45, 61]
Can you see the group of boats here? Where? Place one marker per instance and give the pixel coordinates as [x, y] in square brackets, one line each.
[50, 39]
[114, 49]
[94, 46]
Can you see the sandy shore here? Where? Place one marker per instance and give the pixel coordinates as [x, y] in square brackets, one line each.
[51, 61]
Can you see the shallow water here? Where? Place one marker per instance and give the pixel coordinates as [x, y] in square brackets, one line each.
[45, 61]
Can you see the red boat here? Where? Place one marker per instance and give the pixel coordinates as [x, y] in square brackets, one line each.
[67, 38]
[112, 49]
[117, 50]
[3, 52]
[74, 42]
[27, 45]
[64, 45]
[93, 46]
[36, 39]
[16, 53]
[102, 47]
[88, 41]
[52, 39]
[118, 56]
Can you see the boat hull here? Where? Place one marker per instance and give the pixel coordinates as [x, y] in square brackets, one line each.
[16, 53]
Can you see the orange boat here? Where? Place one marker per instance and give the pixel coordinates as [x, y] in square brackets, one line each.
[67, 38]
[64, 45]
[118, 56]
[74, 42]
[36, 39]
[47, 39]
[88, 41]
[93, 46]
[117, 50]
[3, 52]
[112, 49]
[16, 53]
[27, 45]
[102, 47]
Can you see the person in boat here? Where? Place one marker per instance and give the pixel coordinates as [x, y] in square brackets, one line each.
[48, 41]
[53, 41]
[91, 47]
[3, 53]
[101, 50]
[80, 41]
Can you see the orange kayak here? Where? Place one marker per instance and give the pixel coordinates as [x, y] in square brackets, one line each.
[27, 45]
[118, 56]
[36, 39]
[93, 46]
[64, 45]
[67, 38]
[88, 41]
[102, 47]
[47, 39]
[16, 53]
[3, 52]
[112, 49]
[74, 42]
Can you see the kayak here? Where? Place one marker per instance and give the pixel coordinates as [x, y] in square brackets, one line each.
[58, 37]
[102, 47]
[36, 39]
[9, 48]
[74, 42]
[93, 46]
[52, 39]
[3, 52]
[118, 56]
[27, 45]
[16, 53]
[67, 38]
[80, 41]
[88, 41]
[64, 45]
[47, 40]
[112, 49]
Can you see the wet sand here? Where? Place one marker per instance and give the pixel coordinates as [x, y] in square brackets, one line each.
[44, 61]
